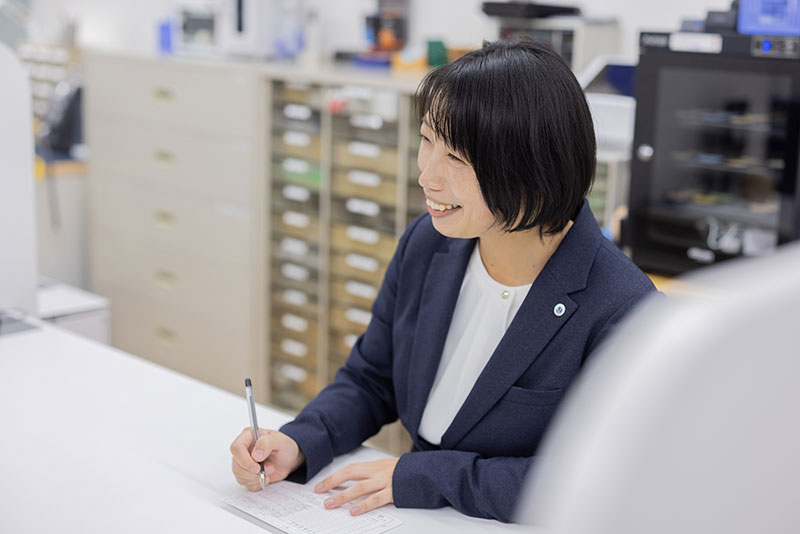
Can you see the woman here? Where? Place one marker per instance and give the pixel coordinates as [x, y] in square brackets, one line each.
[492, 303]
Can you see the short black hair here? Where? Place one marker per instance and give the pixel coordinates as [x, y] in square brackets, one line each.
[516, 112]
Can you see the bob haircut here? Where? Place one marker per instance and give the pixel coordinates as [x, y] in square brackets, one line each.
[516, 113]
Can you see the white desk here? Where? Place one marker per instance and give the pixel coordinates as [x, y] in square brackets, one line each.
[95, 440]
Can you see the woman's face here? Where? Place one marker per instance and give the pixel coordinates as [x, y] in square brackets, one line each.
[451, 189]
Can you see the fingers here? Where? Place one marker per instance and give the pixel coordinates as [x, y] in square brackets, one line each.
[263, 448]
[354, 492]
[250, 480]
[240, 449]
[351, 472]
[376, 500]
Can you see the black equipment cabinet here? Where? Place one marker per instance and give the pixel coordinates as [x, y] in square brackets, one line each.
[714, 169]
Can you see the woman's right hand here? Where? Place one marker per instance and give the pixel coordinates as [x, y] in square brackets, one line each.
[280, 454]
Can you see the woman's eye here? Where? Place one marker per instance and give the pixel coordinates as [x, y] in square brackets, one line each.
[424, 138]
[455, 158]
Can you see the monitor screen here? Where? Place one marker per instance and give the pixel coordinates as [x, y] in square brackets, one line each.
[769, 17]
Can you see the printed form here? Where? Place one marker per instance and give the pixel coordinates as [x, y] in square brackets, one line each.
[296, 509]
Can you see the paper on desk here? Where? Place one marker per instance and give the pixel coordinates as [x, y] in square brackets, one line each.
[296, 509]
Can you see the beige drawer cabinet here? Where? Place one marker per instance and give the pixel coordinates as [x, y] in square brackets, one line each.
[177, 208]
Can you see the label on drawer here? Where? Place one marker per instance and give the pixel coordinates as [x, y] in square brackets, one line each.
[362, 207]
[367, 179]
[363, 235]
[295, 348]
[297, 166]
[293, 296]
[296, 193]
[297, 139]
[294, 246]
[362, 263]
[354, 315]
[350, 340]
[298, 220]
[294, 272]
[369, 121]
[357, 289]
[297, 112]
[294, 322]
[294, 373]
[364, 150]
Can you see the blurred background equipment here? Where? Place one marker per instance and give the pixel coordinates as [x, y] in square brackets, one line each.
[685, 420]
[715, 160]
[13, 21]
[576, 38]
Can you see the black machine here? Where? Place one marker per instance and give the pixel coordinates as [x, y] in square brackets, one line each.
[714, 170]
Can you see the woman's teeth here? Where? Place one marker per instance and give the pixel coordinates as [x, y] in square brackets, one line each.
[440, 207]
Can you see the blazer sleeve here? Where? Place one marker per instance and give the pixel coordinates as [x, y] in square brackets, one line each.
[361, 399]
[473, 485]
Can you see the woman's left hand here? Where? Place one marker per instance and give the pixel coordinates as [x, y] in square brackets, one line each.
[374, 478]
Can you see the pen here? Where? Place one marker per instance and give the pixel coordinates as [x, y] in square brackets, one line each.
[251, 404]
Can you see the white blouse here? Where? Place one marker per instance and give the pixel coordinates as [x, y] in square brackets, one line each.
[483, 312]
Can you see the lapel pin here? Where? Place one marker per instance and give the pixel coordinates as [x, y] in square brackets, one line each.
[559, 310]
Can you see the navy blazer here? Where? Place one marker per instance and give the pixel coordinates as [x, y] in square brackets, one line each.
[486, 452]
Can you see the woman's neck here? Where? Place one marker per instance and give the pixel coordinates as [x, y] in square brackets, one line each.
[517, 258]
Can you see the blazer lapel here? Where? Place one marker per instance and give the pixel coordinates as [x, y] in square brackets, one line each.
[437, 303]
[527, 335]
[533, 327]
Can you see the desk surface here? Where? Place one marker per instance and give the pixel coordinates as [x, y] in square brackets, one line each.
[96, 440]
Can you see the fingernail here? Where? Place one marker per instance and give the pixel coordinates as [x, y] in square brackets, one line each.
[318, 487]
[269, 470]
[355, 510]
[258, 455]
[328, 502]
[255, 468]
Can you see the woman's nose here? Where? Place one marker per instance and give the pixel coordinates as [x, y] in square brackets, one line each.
[428, 177]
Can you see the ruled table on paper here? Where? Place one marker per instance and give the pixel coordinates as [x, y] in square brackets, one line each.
[296, 509]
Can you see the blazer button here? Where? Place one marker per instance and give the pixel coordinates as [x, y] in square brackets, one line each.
[559, 310]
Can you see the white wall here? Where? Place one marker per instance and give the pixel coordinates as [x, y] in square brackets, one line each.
[126, 25]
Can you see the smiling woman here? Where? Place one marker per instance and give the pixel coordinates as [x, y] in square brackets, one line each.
[491, 305]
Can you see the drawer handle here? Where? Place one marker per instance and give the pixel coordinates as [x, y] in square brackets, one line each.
[294, 272]
[369, 121]
[362, 207]
[295, 348]
[357, 289]
[166, 279]
[166, 336]
[362, 235]
[297, 112]
[298, 220]
[164, 218]
[294, 246]
[367, 179]
[163, 94]
[354, 315]
[299, 139]
[296, 193]
[293, 296]
[362, 263]
[350, 340]
[163, 157]
[294, 373]
[294, 323]
[364, 150]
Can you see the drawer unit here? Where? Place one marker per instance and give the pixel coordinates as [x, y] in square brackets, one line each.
[296, 224]
[292, 385]
[365, 156]
[297, 144]
[173, 95]
[297, 170]
[296, 275]
[300, 117]
[297, 92]
[357, 266]
[363, 240]
[369, 127]
[215, 232]
[167, 335]
[298, 326]
[295, 197]
[219, 169]
[296, 250]
[365, 185]
[292, 349]
[363, 213]
[167, 278]
[296, 300]
[349, 319]
[353, 292]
